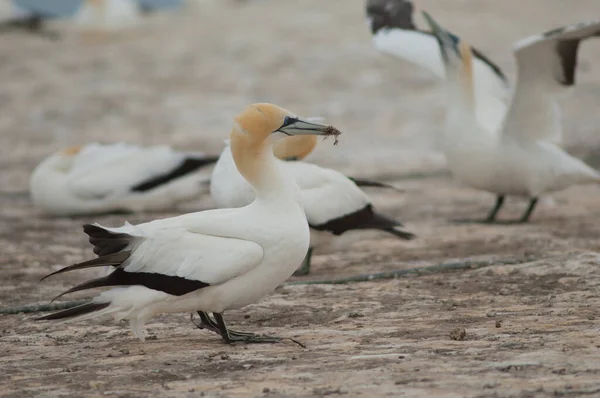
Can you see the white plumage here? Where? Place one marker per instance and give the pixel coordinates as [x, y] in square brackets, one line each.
[522, 157]
[107, 15]
[333, 203]
[395, 34]
[209, 261]
[101, 178]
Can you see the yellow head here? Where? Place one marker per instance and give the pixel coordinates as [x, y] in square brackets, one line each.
[258, 126]
[71, 151]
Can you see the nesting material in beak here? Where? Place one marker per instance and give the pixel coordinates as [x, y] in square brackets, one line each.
[295, 126]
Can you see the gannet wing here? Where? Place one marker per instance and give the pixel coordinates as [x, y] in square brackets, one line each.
[103, 171]
[166, 257]
[326, 194]
[546, 62]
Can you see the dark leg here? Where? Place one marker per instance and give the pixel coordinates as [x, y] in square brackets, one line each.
[527, 214]
[305, 266]
[492, 216]
[231, 336]
[206, 322]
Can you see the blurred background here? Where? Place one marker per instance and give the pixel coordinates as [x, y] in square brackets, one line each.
[180, 75]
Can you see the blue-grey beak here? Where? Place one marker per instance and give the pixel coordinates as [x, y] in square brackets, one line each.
[295, 126]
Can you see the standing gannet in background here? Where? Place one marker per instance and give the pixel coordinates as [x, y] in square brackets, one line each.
[522, 158]
[100, 178]
[214, 260]
[333, 203]
[394, 33]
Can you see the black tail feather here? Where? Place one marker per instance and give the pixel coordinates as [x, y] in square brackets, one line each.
[99, 282]
[75, 311]
[370, 183]
[114, 259]
[106, 242]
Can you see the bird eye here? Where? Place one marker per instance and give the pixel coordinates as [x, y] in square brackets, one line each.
[287, 121]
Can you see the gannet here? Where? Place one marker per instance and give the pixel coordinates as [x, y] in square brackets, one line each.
[394, 33]
[214, 260]
[522, 157]
[107, 15]
[333, 203]
[99, 178]
[32, 15]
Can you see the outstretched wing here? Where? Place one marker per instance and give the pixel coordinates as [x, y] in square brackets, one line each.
[546, 62]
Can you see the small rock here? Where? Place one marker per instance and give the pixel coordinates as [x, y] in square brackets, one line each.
[498, 324]
[355, 314]
[224, 357]
[124, 351]
[266, 390]
[458, 334]
[591, 318]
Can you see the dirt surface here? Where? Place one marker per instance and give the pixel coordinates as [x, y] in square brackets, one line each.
[526, 329]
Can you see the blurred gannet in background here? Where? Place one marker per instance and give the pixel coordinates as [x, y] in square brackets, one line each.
[209, 261]
[394, 33]
[107, 15]
[522, 157]
[333, 202]
[96, 15]
[100, 178]
[32, 15]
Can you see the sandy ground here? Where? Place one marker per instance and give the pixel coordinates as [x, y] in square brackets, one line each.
[527, 329]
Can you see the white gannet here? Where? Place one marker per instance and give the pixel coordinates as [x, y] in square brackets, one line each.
[107, 15]
[214, 260]
[522, 157]
[99, 178]
[394, 33]
[333, 202]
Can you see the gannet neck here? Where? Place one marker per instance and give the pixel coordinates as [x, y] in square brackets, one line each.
[255, 161]
[461, 95]
[296, 147]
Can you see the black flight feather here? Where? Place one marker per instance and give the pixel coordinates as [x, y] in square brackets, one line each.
[174, 285]
[188, 166]
[114, 259]
[75, 311]
[365, 218]
[370, 183]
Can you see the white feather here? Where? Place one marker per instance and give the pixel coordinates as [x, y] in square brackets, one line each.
[521, 157]
[100, 178]
[422, 49]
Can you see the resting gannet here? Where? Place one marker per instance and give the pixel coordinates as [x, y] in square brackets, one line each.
[394, 33]
[214, 260]
[100, 178]
[522, 157]
[333, 203]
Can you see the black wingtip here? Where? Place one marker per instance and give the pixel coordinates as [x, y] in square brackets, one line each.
[401, 234]
[73, 312]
